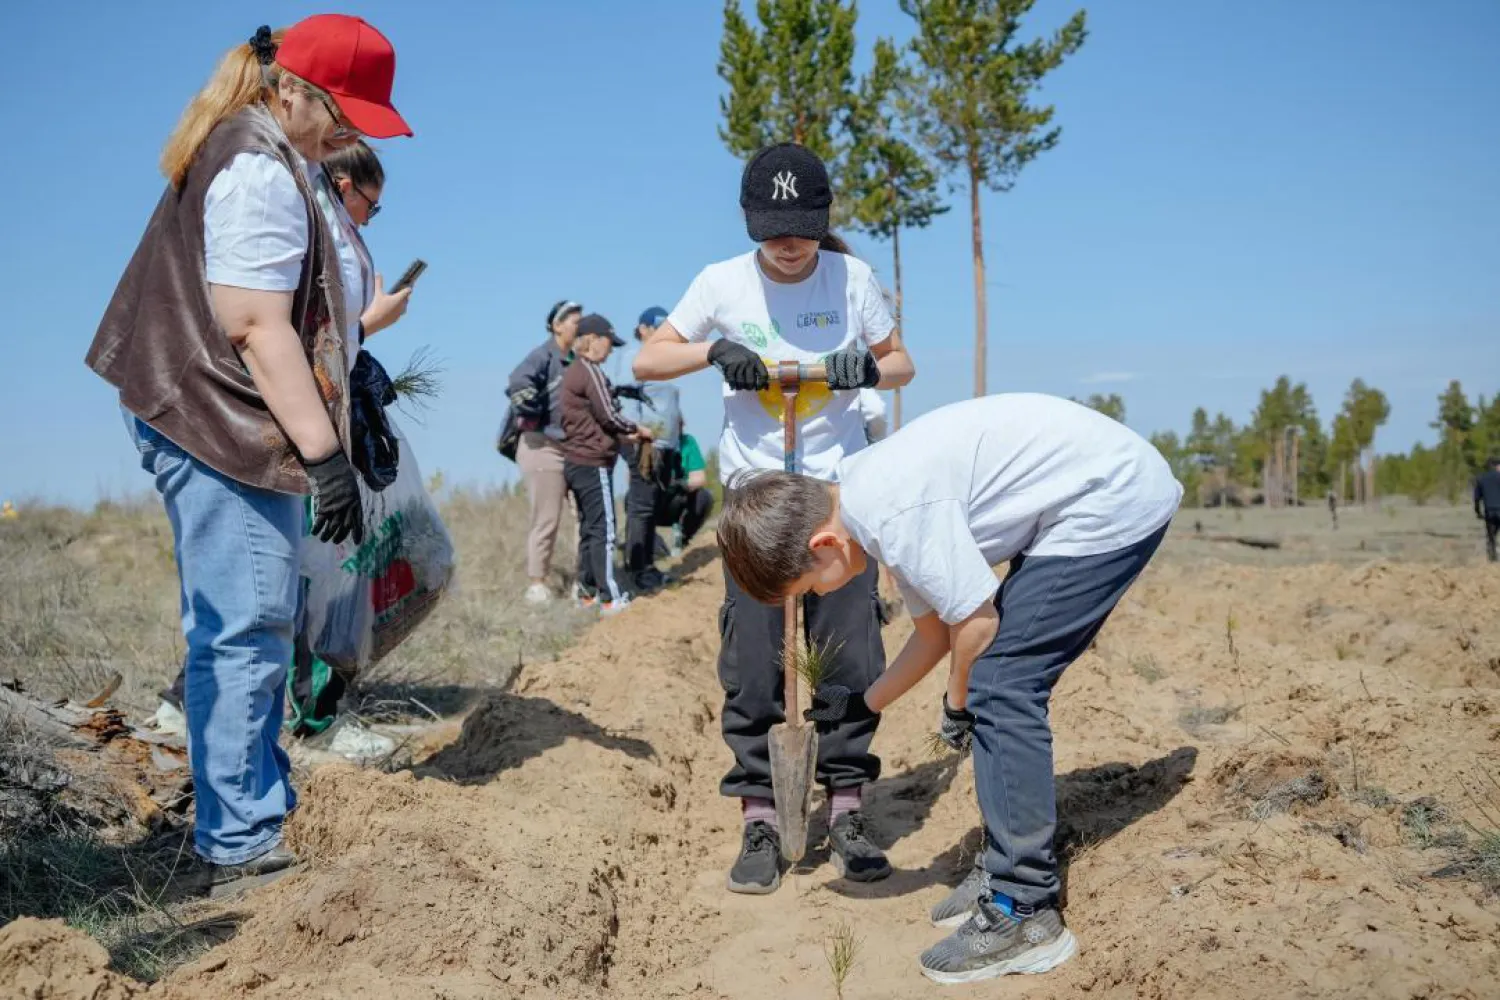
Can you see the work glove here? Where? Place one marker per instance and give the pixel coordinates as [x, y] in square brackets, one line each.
[834, 704]
[635, 392]
[851, 369]
[742, 368]
[337, 511]
[957, 728]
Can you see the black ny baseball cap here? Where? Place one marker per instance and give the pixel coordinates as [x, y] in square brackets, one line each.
[785, 192]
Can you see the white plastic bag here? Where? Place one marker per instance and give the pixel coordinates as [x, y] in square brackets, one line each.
[363, 601]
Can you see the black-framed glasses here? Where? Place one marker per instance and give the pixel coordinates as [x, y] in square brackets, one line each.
[374, 209]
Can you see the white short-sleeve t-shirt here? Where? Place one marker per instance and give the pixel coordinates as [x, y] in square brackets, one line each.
[838, 305]
[255, 235]
[968, 486]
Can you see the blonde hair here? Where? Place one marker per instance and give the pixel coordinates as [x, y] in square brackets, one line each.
[238, 82]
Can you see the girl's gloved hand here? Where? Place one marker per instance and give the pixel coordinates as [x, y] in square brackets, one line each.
[957, 728]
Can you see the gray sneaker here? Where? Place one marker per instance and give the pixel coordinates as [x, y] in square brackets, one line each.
[757, 871]
[963, 900]
[991, 944]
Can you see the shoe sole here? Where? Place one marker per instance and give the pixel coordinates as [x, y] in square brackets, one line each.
[842, 869]
[754, 888]
[1028, 963]
[235, 887]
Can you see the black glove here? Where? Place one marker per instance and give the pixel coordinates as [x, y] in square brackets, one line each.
[957, 729]
[635, 392]
[337, 511]
[851, 369]
[742, 368]
[833, 704]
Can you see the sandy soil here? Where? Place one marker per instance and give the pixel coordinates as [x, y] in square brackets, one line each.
[1238, 761]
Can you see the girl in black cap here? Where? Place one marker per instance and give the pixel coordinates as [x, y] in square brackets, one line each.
[797, 296]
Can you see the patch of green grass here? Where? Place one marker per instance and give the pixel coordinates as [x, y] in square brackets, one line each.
[1146, 668]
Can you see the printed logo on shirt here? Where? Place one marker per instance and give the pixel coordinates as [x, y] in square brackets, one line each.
[785, 188]
[757, 337]
[820, 320]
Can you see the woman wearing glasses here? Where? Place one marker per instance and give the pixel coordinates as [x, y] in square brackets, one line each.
[359, 179]
[229, 338]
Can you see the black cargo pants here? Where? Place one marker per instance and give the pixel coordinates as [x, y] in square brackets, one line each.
[848, 621]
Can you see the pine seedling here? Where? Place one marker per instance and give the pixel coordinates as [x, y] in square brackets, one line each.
[814, 662]
[419, 382]
[842, 950]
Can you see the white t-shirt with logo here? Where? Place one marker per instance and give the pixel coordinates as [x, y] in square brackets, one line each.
[839, 305]
[968, 486]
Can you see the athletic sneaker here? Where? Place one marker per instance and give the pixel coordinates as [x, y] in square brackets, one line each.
[853, 855]
[991, 943]
[963, 900]
[648, 581]
[354, 742]
[538, 593]
[583, 597]
[614, 607]
[758, 869]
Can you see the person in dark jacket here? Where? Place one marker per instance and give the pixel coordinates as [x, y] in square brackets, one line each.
[533, 390]
[1487, 505]
[593, 430]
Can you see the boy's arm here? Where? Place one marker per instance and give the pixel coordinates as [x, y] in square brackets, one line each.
[968, 640]
[923, 651]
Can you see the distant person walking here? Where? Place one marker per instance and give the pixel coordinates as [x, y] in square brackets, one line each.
[1487, 505]
[1333, 508]
[595, 428]
[229, 339]
[534, 396]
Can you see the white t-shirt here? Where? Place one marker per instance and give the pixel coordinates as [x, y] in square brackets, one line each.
[255, 235]
[965, 487]
[838, 305]
[872, 411]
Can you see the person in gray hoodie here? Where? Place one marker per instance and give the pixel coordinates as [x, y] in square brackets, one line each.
[534, 396]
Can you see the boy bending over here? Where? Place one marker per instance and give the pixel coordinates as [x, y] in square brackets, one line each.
[1077, 503]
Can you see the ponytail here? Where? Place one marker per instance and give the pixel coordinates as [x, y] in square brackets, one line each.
[834, 242]
[240, 80]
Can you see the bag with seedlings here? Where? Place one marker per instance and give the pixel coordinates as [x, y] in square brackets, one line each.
[362, 601]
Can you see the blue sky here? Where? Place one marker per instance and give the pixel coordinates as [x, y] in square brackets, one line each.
[1242, 190]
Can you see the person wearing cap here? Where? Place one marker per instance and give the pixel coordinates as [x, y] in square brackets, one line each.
[790, 299]
[534, 397]
[594, 428]
[648, 499]
[229, 340]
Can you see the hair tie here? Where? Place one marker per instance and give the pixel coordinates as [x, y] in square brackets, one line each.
[263, 45]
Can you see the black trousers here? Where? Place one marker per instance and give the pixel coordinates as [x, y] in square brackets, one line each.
[594, 490]
[847, 621]
[700, 504]
[1491, 532]
[647, 507]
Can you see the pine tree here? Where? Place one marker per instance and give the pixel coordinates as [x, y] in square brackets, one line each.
[790, 78]
[975, 81]
[887, 182]
[1458, 455]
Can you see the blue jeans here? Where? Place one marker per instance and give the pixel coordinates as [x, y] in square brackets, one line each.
[237, 559]
[1051, 607]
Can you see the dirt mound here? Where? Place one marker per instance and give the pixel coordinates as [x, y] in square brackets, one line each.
[1265, 780]
[48, 960]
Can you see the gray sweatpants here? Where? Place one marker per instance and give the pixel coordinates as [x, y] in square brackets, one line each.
[1051, 607]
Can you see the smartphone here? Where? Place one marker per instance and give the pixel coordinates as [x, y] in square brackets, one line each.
[410, 276]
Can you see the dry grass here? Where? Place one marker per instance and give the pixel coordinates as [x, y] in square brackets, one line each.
[84, 594]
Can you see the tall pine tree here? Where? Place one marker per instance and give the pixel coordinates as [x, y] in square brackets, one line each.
[976, 80]
[888, 184]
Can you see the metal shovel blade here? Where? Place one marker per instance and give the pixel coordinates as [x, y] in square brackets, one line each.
[794, 764]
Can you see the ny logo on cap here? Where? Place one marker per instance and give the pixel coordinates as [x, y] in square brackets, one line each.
[786, 186]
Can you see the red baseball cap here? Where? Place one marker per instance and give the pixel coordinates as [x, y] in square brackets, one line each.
[353, 62]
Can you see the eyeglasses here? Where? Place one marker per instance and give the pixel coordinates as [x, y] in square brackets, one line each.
[374, 205]
[340, 129]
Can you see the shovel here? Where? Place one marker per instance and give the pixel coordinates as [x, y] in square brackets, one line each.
[793, 743]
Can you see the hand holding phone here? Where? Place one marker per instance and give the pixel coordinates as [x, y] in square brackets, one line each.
[409, 276]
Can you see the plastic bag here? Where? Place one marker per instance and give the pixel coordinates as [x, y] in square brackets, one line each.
[363, 601]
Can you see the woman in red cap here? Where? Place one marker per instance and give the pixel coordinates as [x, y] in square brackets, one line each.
[230, 338]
